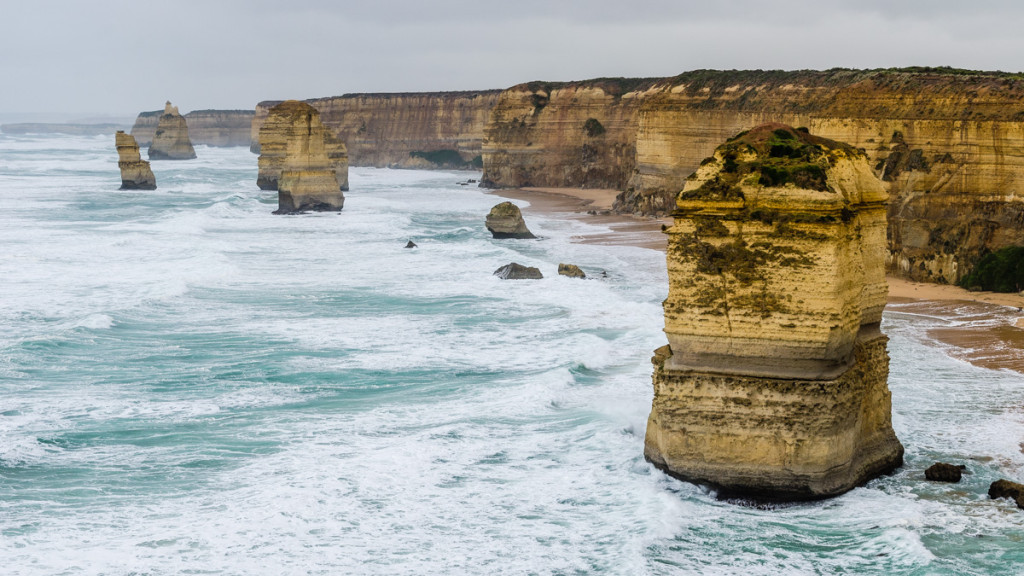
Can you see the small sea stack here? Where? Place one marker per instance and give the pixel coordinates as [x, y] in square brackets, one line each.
[570, 270]
[506, 221]
[171, 141]
[295, 143]
[281, 127]
[135, 172]
[774, 382]
[516, 271]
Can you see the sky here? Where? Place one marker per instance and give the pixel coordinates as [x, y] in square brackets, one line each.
[77, 59]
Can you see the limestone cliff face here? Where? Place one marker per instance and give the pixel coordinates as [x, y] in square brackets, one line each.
[948, 144]
[207, 127]
[171, 141]
[135, 172]
[774, 381]
[279, 131]
[413, 130]
[297, 142]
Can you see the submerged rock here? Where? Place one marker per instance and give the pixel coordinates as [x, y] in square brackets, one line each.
[135, 172]
[571, 270]
[774, 382]
[171, 141]
[297, 144]
[516, 271]
[411, 244]
[506, 221]
[942, 472]
[279, 128]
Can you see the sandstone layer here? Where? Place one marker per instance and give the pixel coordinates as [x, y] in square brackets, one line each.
[948, 144]
[410, 130]
[207, 127]
[774, 382]
[135, 172]
[296, 142]
[171, 141]
[505, 220]
[279, 132]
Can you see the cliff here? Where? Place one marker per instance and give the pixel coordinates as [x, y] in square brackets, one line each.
[774, 381]
[135, 172]
[171, 140]
[948, 144]
[412, 130]
[53, 128]
[208, 127]
[308, 179]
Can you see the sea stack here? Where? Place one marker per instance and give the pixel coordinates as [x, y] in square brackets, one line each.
[774, 382]
[295, 154]
[283, 125]
[170, 141]
[135, 172]
[506, 221]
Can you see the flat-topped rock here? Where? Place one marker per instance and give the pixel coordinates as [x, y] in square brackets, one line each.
[279, 128]
[774, 382]
[505, 220]
[171, 141]
[297, 144]
[135, 172]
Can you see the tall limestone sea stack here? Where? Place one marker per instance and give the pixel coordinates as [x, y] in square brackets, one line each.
[171, 141]
[302, 159]
[135, 172]
[774, 382]
[283, 125]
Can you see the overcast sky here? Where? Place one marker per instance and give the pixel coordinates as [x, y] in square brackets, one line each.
[92, 57]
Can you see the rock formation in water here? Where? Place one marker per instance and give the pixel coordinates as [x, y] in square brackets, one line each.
[948, 144]
[296, 151]
[570, 270]
[943, 472]
[280, 127]
[773, 384]
[221, 128]
[1007, 489]
[171, 141]
[135, 172]
[506, 221]
[411, 130]
[515, 271]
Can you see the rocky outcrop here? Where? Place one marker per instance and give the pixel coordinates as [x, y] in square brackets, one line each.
[506, 221]
[207, 127]
[135, 172]
[1007, 489]
[411, 130]
[949, 145]
[943, 472]
[297, 145]
[773, 384]
[515, 271]
[570, 270]
[171, 141]
[280, 128]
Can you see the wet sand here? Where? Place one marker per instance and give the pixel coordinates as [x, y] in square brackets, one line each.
[983, 328]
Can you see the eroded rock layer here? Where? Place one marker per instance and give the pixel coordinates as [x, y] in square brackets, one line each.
[774, 381]
[410, 130]
[948, 144]
[208, 127]
[135, 172]
[280, 130]
[505, 220]
[297, 145]
[171, 141]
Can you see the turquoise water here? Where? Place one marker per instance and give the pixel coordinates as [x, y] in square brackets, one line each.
[191, 385]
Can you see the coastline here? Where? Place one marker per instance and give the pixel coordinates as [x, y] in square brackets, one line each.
[983, 328]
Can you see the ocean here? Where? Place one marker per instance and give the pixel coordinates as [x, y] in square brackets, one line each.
[192, 385]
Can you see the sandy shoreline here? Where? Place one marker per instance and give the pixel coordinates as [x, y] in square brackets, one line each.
[986, 328]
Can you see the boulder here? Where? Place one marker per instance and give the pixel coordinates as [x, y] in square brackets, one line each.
[571, 270]
[516, 271]
[171, 141]
[411, 244]
[942, 472]
[297, 143]
[135, 172]
[506, 221]
[1007, 489]
[774, 382]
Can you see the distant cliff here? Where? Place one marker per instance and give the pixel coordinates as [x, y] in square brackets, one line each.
[411, 130]
[949, 144]
[209, 127]
[51, 128]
